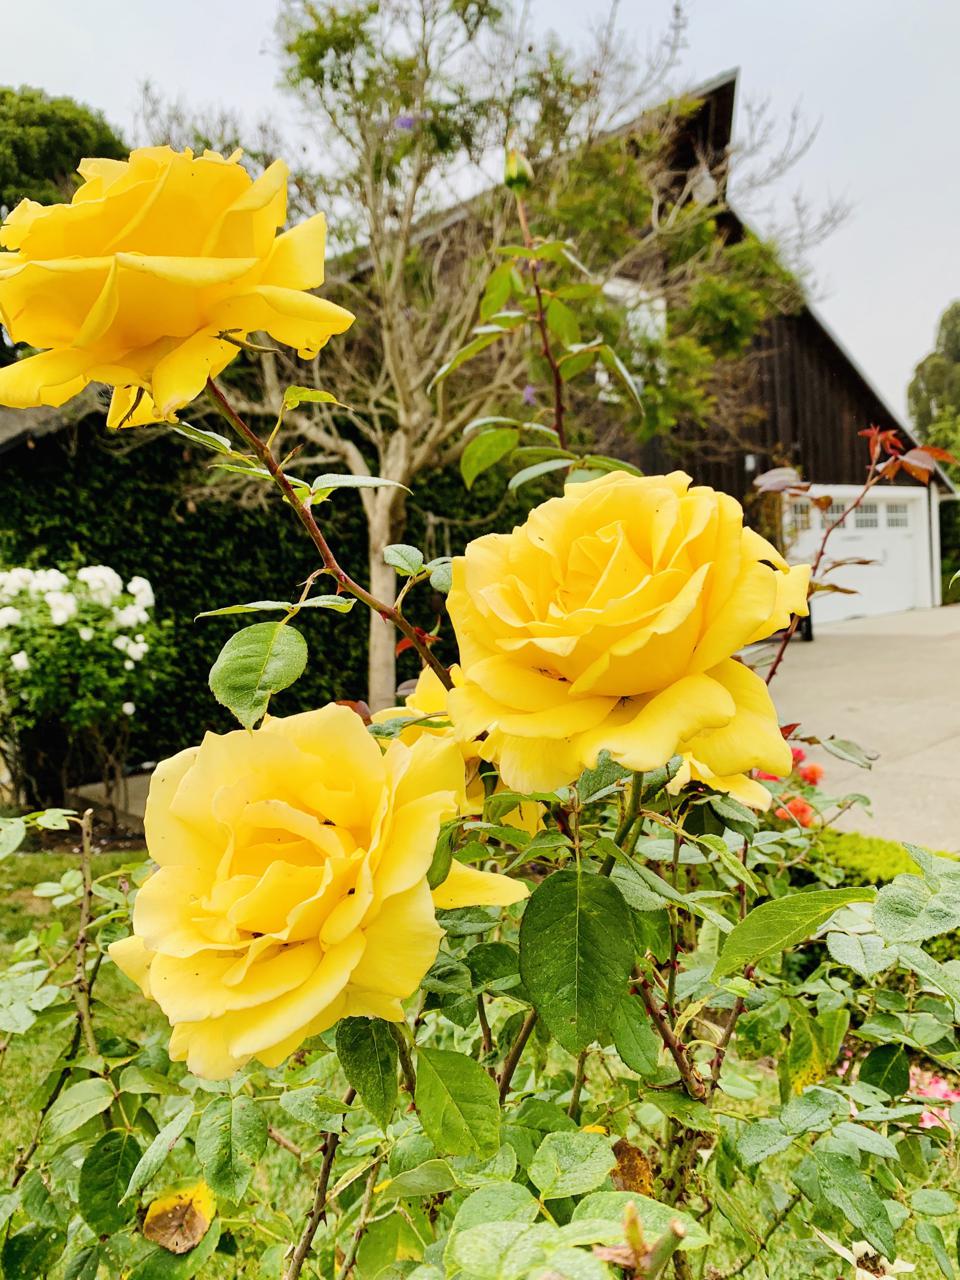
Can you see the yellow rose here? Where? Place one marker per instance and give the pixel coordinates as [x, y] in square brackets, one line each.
[292, 884]
[608, 621]
[132, 282]
[426, 709]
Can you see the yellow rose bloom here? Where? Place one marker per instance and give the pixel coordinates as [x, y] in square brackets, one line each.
[291, 888]
[424, 708]
[608, 620]
[132, 282]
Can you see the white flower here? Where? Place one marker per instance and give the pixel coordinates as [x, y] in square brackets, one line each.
[141, 590]
[13, 581]
[85, 633]
[20, 661]
[103, 583]
[128, 665]
[121, 642]
[131, 615]
[128, 708]
[62, 606]
[136, 651]
[10, 616]
[44, 580]
[861, 1250]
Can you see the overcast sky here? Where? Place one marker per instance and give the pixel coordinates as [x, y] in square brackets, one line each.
[879, 75]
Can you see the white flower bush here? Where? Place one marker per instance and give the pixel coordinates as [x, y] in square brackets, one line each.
[79, 650]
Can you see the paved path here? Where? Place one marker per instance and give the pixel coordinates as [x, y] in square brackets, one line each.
[891, 684]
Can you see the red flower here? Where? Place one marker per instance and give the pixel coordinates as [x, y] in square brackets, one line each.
[796, 809]
[811, 773]
[767, 777]
[799, 755]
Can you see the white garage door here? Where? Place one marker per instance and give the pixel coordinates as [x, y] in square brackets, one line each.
[891, 529]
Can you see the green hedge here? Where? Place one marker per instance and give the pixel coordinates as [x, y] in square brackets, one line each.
[82, 495]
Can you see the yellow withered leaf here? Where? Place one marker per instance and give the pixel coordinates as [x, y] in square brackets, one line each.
[179, 1220]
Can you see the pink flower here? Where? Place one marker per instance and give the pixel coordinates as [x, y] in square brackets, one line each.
[799, 755]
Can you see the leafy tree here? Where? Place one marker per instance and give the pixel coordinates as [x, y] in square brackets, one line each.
[42, 140]
[934, 393]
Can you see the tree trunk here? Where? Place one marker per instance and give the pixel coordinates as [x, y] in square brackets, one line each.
[381, 651]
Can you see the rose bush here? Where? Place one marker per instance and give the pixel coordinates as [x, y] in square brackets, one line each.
[608, 621]
[578, 1088]
[292, 884]
[150, 276]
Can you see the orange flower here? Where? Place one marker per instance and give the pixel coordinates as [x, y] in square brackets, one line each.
[811, 773]
[797, 810]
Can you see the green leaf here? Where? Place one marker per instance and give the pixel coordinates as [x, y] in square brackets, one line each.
[322, 486]
[539, 469]
[762, 1139]
[933, 1203]
[571, 1164]
[620, 371]
[432, 1178]
[932, 971]
[472, 348]
[12, 834]
[562, 322]
[654, 1216]
[907, 910]
[441, 574]
[887, 1067]
[458, 1103]
[84, 1264]
[845, 1187]
[576, 955]
[254, 664]
[208, 439]
[815, 1108]
[230, 1140]
[501, 1202]
[340, 604]
[104, 1176]
[152, 1159]
[484, 450]
[774, 926]
[31, 1252]
[293, 397]
[731, 862]
[866, 1139]
[929, 1233]
[163, 1265]
[406, 560]
[851, 752]
[678, 1106]
[311, 1106]
[369, 1058]
[864, 953]
[634, 1037]
[76, 1105]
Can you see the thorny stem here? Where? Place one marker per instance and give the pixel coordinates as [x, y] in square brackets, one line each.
[872, 479]
[558, 405]
[406, 1059]
[318, 1210]
[281, 1139]
[516, 1050]
[388, 612]
[574, 1108]
[351, 1255]
[486, 1038]
[81, 986]
[692, 1080]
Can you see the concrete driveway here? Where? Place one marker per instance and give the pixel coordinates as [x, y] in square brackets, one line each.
[891, 684]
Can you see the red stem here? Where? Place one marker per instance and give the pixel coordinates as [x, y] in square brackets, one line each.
[791, 631]
[388, 612]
